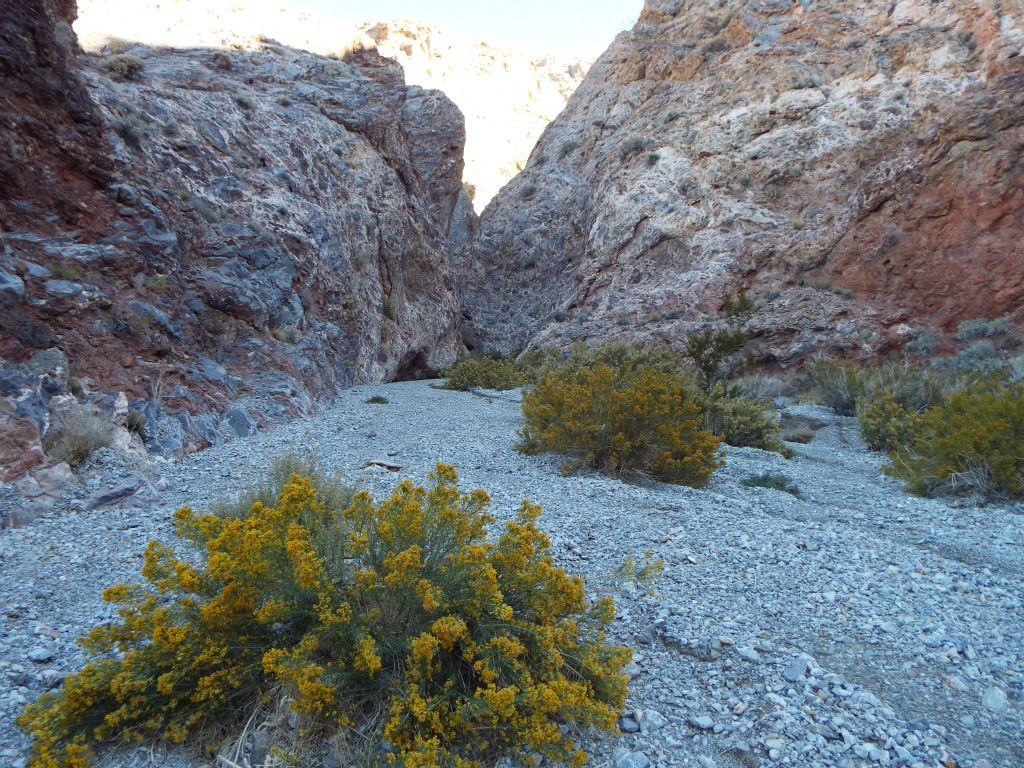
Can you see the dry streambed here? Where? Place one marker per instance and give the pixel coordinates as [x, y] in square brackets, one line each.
[854, 626]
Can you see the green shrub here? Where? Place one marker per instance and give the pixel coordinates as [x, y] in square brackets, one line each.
[485, 372]
[838, 385]
[916, 389]
[396, 622]
[981, 328]
[621, 420]
[774, 481]
[135, 423]
[744, 421]
[971, 442]
[377, 400]
[288, 334]
[980, 359]
[633, 146]
[885, 423]
[713, 353]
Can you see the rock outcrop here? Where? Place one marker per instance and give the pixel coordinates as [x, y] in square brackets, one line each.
[225, 236]
[858, 168]
[508, 97]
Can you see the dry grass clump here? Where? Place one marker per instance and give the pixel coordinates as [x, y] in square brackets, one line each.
[124, 66]
[75, 433]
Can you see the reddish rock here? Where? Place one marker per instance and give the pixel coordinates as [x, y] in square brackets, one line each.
[856, 167]
[20, 447]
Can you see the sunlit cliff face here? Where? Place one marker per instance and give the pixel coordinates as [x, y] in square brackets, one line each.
[507, 97]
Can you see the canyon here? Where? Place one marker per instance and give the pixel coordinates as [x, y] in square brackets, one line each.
[208, 229]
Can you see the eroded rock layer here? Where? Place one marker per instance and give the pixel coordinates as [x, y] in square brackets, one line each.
[856, 166]
[226, 236]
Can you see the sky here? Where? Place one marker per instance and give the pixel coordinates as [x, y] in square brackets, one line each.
[576, 27]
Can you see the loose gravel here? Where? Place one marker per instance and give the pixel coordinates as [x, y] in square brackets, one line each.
[853, 626]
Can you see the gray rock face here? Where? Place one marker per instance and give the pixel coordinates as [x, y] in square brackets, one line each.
[273, 225]
[811, 153]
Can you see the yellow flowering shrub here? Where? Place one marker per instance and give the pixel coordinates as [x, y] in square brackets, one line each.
[486, 372]
[397, 619]
[885, 424]
[621, 420]
[970, 442]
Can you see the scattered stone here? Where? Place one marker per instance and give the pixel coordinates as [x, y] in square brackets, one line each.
[650, 720]
[748, 654]
[628, 725]
[40, 655]
[704, 722]
[994, 699]
[623, 758]
[796, 669]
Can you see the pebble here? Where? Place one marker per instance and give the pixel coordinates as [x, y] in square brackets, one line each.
[623, 758]
[40, 655]
[746, 593]
[703, 722]
[994, 699]
[748, 654]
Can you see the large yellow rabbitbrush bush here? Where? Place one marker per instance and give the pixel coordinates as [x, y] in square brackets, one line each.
[622, 420]
[397, 623]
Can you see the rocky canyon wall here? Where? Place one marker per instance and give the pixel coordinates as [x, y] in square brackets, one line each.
[226, 236]
[857, 167]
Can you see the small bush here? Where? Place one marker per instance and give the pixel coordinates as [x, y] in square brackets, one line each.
[885, 423]
[980, 358]
[396, 622]
[713, 353]
[981, 328]
[645, 574]
[971, 442]
[124, 66]
[377, 400]
[221, 60]
[331, 489]
[156, 283]
[915, 389]
[774, 481]
[761, 387]
[288, 334]
[625, 356]
[838, 385]
[744, 421]
[483, 372]
[75, 433]
[623, 421]
[389, 308]
[634, 146]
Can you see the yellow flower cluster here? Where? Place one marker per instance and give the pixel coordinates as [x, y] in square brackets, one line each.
[621, 420]
[472, 647]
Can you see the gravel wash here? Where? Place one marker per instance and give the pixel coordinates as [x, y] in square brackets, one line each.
[854, 626]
